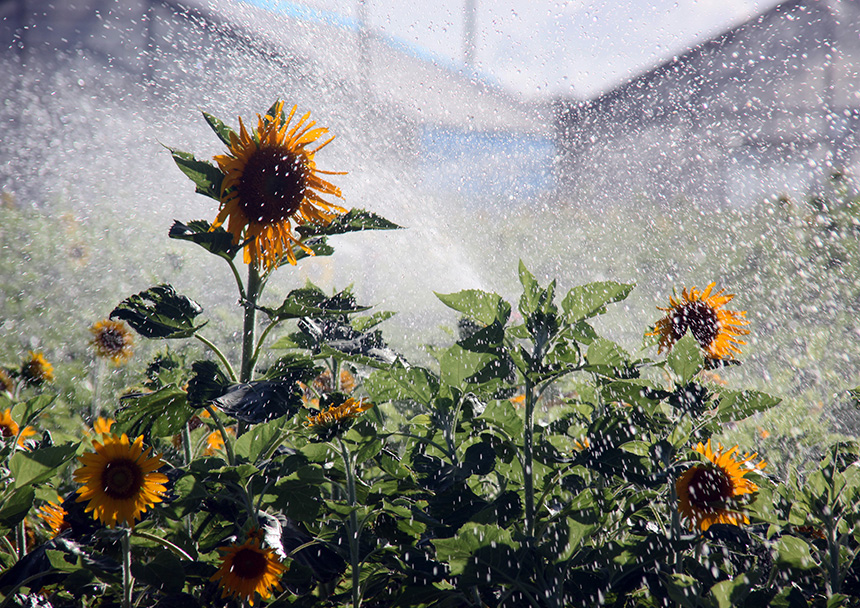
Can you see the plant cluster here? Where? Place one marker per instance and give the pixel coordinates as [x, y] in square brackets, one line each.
[534, 463]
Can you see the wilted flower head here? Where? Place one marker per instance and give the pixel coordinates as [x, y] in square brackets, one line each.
[112, 340]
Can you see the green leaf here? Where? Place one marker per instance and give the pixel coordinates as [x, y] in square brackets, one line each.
[731, 593]
[15, 508]
[736, 405]
[221, 130]
[261, 440]
[163, 413]
[35, 406]
[217, 241]
[355, 220]
[530, 300]
[484, 307]
[37, 466]
[165, 572]
[362, 324]
[458, 365]
[401, 382]
[588, 300]
[606, 357]
[793, 552]
[298, 497]
[159, 312]
[311, 301]
[686, 359]
[318, 245]
[206, 176]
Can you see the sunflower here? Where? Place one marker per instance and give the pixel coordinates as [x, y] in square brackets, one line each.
[36, 369]
[102, 425]
[119, 480]
[10, 428]
[215, 441]
[112, 340]
[270, 182]
[337, 418]
[707, 491]
[55, 516]
[701, 313]
[246, 569]
[7, 383]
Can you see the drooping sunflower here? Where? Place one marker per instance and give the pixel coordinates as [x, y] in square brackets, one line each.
[36, 369]
[337, 418]
[55, 516]
[271, 182]
[119, 480]
[9, 428]
[715, 329]
[710, 493]
[247, 569]
[112, 340]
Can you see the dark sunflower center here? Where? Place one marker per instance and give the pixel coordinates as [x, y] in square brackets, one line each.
[122, 479]
[111, 340]
[700, 319]
[249, 564]
[7, 430]
[708, 487]
[272, 185]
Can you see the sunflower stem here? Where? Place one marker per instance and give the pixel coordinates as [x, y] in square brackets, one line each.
[248, 341]
[127, 579]
[186, 443]
[263, 337]
[528, 457]
[352, 531]
[228, 446]
[98, 378]
[230, 371]
[238, 278]
[21, 539]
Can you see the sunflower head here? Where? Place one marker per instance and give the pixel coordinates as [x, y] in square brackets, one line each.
[712, 492]
[112, 340]
[7, 382]
[271, 182]
[36, 370]
[119, 481]
[55, 516]
[248, 569]
[10, 429]
[702, 314]
[337, 418]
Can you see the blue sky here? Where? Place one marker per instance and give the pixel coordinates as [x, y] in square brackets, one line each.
[548, 47]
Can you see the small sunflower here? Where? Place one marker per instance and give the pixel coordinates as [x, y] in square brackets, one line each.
[112, 340]
[215, 441]
[716, 330]
[247, 569]
[323, 382]
[707, 493]
[37, 370]
[337, 418]
[270, 182]
[7, 383]
[581, 446]
[55, 516]
[102, 425]
[10, 428]
[119, 480]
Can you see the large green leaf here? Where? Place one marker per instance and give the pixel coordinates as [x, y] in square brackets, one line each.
[484, 307]
[402, 382]
[165, 572]
[588, 300]
[37, 466]
[355, 220]
[736, 405]
[261, 441]
[163, 412]
[159, 312]
[15, 507]
[311, 301]
[206, 176]
[686, 359]
[217, 241]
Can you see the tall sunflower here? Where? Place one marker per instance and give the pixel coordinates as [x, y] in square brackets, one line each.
[715, 329]
[247, 569]
[119, 480]
[271, 181]
[710, 493]
[35, 370]
[112, 340]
